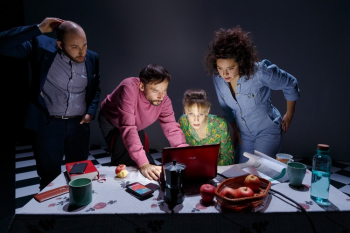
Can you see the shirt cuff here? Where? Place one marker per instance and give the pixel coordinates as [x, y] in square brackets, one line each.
[39, 28]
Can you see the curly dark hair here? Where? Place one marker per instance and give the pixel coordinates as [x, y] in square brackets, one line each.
[231, 43]
[154, 73]
[196, 97]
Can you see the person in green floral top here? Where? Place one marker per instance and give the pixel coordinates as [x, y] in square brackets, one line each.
[202, 128]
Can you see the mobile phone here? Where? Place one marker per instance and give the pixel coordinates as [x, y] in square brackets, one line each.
[78, 168]
[139, 190]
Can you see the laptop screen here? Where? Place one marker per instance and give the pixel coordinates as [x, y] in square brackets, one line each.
[201, 161]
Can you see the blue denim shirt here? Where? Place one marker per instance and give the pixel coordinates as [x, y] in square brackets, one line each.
[253, 111]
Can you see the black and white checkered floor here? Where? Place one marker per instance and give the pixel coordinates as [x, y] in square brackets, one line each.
[27, 180]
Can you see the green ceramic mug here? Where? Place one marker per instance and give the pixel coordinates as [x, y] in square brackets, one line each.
[296, 172]
[80, 192]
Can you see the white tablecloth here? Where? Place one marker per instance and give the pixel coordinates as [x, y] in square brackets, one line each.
[114, 210]
[109, 197]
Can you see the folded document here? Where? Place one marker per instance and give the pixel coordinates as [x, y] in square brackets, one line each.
[265, 166]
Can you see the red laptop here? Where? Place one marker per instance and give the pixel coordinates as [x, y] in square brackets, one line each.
[201, 161]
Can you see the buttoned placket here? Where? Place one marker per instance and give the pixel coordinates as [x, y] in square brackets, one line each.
[238, 96]
[70, 85]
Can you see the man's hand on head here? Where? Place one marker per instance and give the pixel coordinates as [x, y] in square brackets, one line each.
[50, 24]
[151, 172]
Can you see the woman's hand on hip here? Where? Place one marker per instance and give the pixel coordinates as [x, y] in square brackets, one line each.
[286, 121]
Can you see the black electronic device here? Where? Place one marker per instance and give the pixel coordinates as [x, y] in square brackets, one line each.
[78, 168]
[139, 190]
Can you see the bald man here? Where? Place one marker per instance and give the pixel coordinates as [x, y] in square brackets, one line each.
[64, 91]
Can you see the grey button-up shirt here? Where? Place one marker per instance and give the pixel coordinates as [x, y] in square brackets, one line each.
[64, 89]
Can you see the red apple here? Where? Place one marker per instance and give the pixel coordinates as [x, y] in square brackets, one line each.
[252, 182]
[245, 191]
[207, 192]
[120, 168]
[230, 193]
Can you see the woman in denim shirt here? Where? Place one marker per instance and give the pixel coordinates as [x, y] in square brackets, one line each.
[243, 86]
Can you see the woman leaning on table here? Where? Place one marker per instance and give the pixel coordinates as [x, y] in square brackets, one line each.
[243, 86]
[202, 128]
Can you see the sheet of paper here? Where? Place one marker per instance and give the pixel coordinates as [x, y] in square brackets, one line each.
[276, 163]
[234, 171]
[251, 170]
[267, 167]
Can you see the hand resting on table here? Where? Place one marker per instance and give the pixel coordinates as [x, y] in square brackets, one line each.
[151, 172]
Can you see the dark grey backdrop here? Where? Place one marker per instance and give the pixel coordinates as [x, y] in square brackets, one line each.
[309, 39]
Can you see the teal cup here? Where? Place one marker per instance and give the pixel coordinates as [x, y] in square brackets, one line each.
[296, 172]
[80, 192]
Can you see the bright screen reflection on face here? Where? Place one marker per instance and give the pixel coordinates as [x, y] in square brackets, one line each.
[197, 116]
[155, 93]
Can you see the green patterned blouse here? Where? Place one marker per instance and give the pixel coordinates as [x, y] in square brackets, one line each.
[217, 132]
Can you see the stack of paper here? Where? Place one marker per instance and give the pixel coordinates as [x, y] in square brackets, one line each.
[261, 165]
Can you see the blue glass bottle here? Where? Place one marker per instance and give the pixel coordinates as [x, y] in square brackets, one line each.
[321, 174]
